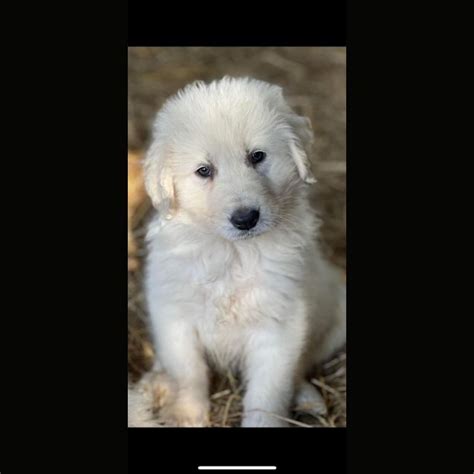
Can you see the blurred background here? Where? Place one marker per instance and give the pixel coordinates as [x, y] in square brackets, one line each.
[314, 83]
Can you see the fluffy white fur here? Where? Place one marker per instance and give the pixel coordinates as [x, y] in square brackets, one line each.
[261, 302]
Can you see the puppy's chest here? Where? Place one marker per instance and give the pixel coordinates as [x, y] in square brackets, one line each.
[231, 292]
[240, 297]
[244, 288]
[226, 284]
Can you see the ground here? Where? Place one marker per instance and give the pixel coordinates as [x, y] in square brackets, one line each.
[314, 80]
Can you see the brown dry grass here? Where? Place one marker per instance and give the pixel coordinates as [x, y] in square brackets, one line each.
[315, 83]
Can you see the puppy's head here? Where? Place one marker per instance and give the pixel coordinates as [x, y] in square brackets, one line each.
[230, 156]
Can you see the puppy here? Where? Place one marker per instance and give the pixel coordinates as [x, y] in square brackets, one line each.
[234, 276]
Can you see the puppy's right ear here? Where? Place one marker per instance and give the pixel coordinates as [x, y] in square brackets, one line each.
[159, 180]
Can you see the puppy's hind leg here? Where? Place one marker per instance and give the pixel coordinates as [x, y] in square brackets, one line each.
[309, 400]
[335, 337]
[140, 409]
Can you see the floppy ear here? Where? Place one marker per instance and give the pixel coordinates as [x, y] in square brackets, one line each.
[300, 145]
[301, 135]
[159, 181]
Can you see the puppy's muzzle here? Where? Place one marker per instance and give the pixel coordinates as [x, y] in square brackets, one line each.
[245, 218]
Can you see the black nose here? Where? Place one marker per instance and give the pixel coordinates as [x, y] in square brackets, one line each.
[245, 218]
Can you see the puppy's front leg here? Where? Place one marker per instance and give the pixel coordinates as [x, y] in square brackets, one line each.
[182, 357]
[270, 373]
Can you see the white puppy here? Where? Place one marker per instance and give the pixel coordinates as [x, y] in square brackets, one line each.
[234, 277]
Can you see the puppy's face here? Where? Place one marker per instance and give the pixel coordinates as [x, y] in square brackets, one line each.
[229, 157]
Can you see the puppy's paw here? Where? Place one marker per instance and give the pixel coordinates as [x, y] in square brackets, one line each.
[186, 413]
[259, 419]
[308, 400]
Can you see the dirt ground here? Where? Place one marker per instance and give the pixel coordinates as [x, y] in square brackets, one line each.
[314, 81]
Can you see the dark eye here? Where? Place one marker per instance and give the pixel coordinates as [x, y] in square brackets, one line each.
[204, 171]
[257, 156]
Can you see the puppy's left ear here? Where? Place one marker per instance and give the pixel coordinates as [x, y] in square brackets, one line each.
[300, 145]
[301, 132]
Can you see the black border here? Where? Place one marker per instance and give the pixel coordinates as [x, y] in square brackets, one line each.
[291, 450]
[316, 24]
[63, 394]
